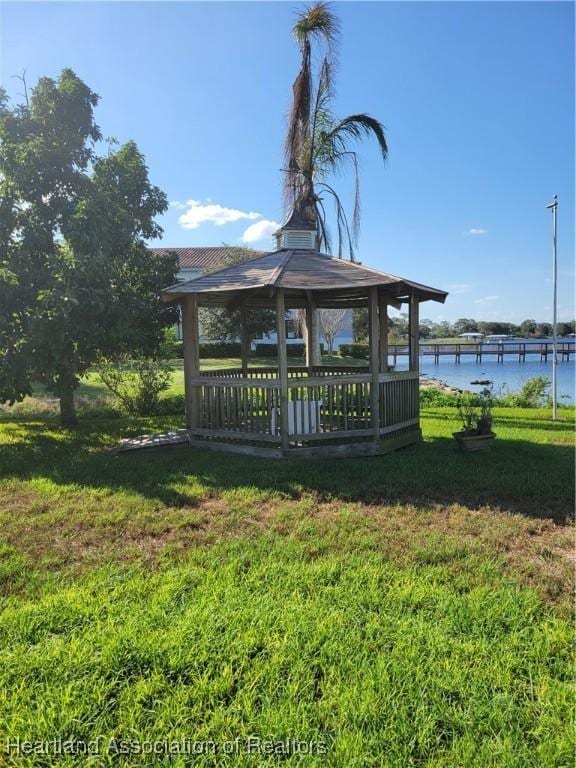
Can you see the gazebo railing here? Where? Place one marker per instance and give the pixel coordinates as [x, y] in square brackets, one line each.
[320, 407]
[293, 371]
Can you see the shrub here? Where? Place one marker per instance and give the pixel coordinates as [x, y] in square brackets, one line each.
[220, 349]
[433, 396]
[173, 405]
[170, 347]
[212, 349]
[358, 350]
[535, 393]
[271, 350]
[137, 383]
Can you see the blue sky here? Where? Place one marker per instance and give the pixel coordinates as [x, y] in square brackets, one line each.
[477, 99]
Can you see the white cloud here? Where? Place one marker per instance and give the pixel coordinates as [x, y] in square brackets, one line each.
[476, 231]
[197, 213]
[259, 231]
[457, 288]
[486, 300]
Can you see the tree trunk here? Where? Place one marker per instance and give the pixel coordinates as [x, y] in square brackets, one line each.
[68, 416]
[316, 355]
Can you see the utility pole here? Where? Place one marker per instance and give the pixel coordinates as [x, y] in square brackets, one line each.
[554, 207]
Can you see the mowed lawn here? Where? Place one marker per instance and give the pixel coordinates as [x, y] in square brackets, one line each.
[412, 609]
[91, 387]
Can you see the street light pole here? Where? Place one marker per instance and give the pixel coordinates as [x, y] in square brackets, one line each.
[554, 207]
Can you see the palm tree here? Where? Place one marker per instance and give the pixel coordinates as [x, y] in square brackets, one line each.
[317, 143]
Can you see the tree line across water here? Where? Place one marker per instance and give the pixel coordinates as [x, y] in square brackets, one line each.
[446, 330]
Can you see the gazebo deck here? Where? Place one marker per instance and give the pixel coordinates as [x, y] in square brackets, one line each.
[327, 406]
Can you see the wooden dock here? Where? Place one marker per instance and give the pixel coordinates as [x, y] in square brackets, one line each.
[479, 350]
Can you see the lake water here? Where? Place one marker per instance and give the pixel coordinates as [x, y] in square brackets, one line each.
[509, 375]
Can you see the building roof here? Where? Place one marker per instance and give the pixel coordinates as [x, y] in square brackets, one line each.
[296, 219]
[199, 258]
[333, 282]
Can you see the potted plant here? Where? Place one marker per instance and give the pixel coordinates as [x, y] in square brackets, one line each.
[475, 410]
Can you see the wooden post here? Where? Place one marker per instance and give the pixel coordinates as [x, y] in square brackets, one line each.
[373, 338]
[191, 343]
[282, 366]
[413, 323]
[383, 318]
[244, 342]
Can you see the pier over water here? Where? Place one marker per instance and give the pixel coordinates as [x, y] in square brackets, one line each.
[500, 350]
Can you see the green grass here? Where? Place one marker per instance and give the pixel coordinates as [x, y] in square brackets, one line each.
[177, 387]
[91, 387]
[412, 609]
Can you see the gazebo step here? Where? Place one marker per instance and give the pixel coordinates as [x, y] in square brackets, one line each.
[178, 437]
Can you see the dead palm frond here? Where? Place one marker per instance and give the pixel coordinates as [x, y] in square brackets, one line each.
[317, 23]
[318, 145]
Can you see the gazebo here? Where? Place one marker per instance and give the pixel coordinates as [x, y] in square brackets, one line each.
[311, 410]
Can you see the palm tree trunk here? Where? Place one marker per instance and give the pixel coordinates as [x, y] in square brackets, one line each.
[316, 354]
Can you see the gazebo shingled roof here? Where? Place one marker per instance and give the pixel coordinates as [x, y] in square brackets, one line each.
[335, 282]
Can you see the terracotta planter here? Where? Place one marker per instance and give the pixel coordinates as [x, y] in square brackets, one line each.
[469, 443]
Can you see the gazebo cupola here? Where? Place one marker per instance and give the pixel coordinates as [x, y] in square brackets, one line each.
[297, 232]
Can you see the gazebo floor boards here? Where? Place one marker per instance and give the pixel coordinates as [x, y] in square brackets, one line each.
[362, 447]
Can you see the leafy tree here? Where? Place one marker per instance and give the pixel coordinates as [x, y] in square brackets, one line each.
[224, 324]
[444, 330]
[563, 329]
[465, 325]
[425, 328]
[399, 327]
[497, 328]
[76, 279]
[543, 330]
[360, 324]
[528, 327]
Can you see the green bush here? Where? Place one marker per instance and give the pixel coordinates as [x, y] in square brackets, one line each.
[173, 405]
[271, 350]
[535, 393]
[432, 396]
[137, 383]
[358, 350]
[294, 350]
[170, 347]
[219, 349]
[208, 349]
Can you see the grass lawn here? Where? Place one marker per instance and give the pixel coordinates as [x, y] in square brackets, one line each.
[91, 389]
[412, 609]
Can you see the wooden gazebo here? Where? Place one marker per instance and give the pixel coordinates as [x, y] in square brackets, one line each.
[309, 410]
